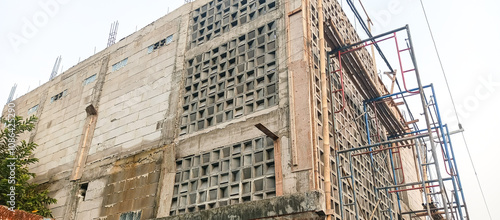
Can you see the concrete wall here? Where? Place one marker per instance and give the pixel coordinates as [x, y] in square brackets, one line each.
[233, 81]
[136, 113]
[168, 125]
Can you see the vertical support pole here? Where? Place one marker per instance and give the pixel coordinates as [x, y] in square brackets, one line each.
[367, 126]
[367, 130]
[341, 75]
[394, 174]
[423, 179]
[450, 164]
[457, 174]
[429, 128]
[324, 109]
[330, 66]
[339, 179]
[353, 186]
[372, 46]
[368, 134]
[390, 203]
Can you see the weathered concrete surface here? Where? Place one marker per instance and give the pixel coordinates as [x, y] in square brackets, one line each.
[293, 206]
[128, 161]
[5, 213]
[132, 185]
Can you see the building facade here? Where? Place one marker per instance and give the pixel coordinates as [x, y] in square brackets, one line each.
[214, 112]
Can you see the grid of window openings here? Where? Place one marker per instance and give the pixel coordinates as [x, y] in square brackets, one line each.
[235, 79]
[119, 65]
[227, 175]
[219, 16]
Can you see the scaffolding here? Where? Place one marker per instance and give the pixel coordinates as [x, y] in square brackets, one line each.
[441, 192]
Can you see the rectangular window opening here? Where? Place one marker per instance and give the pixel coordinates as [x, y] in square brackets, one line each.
[83, 190]
[161, 43]
[32, 109]
[135, 215]
[58, 96]
[119, 65]
[89, 79]
[170, 39]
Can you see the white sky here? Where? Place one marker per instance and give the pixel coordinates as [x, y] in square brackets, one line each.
[465, 33]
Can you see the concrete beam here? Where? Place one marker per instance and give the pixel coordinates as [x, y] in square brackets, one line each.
[289, 205]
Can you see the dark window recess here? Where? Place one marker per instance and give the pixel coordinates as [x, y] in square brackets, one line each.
[58, 96]
[83, 190]
[90, 109]
[135, 215]
[161, 43]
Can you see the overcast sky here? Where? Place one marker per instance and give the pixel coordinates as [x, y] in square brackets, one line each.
[465, 32]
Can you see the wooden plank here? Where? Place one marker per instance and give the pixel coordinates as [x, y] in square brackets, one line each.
[266, 131]
[295, 11]
[411, 122]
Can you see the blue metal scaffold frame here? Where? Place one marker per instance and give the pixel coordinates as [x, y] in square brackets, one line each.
[438, 202]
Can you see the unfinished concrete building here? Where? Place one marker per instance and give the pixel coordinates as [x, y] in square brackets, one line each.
[238, 109]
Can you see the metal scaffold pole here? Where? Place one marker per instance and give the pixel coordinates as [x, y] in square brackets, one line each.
[429, 127]
[436, 203]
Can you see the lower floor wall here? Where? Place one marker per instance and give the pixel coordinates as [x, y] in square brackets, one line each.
[125, 188]
[6, 213]
[236, 181]
[295, 206]
[129, 188]
[228, 175]
[132, 186]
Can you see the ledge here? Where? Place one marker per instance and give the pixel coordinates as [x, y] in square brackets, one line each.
[295, 204]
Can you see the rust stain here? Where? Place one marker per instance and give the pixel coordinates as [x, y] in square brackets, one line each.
[6, 214]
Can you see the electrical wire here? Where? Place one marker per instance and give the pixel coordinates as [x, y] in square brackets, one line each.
[447, 85]
[455, 108]
[367, 31]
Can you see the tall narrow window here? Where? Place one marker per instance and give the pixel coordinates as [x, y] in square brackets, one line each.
[83, 190]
